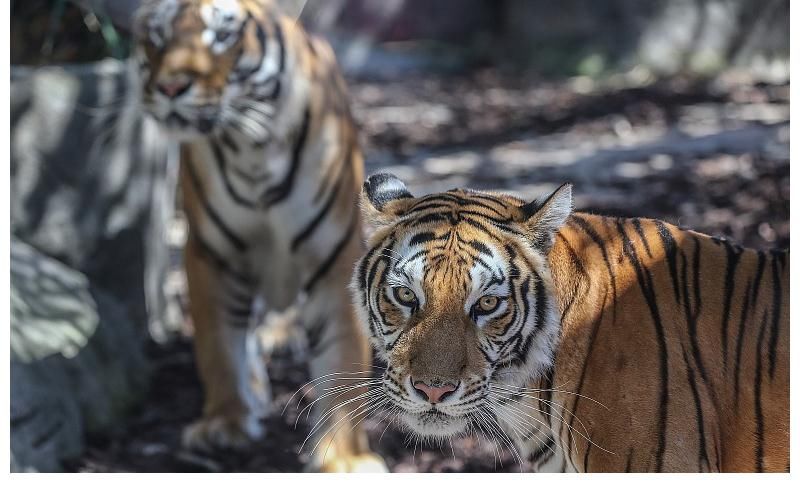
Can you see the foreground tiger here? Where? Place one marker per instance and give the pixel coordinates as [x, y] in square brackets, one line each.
[588, 343]
[270, 168]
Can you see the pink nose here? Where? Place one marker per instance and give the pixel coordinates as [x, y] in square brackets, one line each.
[437, 393]
[173, 89]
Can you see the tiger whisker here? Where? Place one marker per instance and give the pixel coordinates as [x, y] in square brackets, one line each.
[522, 414]
[351, 417]
[318, 378]
[548, 402]
[343, 389]
[325, 416]
[525, 391]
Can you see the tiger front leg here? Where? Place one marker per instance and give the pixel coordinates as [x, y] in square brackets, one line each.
[231, 370]
[340, 366]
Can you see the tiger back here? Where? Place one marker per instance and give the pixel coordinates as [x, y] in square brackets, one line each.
[270, 168]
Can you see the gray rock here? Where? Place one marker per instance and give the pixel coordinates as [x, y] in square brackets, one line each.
[77, 363]
[89, 181]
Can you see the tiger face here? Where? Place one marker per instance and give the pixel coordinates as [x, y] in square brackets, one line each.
[208, 63]
[457, 296]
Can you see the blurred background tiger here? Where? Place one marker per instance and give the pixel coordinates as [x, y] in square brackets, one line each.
[270, 170]
[581, 342]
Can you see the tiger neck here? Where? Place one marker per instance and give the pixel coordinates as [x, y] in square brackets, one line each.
[575, 298]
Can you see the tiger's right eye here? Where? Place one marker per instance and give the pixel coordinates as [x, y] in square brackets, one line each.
[405, 296]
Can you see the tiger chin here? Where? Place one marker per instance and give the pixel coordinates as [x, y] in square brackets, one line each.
[269, 166]
[579, 342]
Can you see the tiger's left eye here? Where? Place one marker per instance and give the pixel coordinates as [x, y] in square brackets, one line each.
[405, 296]
[487, 304]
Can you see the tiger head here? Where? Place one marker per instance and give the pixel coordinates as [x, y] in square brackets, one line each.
[207, 63]
[457, 297]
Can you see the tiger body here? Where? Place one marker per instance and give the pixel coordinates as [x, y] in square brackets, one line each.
[581, 342]
[270, 168]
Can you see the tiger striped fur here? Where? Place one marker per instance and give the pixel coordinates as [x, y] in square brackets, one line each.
[581, 342]
[270, 172]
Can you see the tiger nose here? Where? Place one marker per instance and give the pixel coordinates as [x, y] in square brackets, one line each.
[174, 89]
[435, 393]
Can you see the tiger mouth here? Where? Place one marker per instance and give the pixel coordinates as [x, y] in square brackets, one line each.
[435, 423]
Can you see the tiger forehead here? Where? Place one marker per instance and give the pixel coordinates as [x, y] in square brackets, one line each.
[501, 208]
[450, 252]
[190, 17]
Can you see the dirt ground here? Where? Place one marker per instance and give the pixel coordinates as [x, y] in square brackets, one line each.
[709, 155]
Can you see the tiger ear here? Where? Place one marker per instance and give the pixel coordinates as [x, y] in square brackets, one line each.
[382, 197]
[545, 217]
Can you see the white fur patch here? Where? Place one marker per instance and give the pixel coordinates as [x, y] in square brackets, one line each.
[221, 17]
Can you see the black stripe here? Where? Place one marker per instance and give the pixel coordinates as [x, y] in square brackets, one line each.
[759, 272]
[222, 167]
[328, 263]
[229, 142]
[582, 275]
[336, 168]
[637, 225]
[740, 344]
[702, 455]
[311, 226]
[547, 395]
[421, 238]
[589, 230]
[645, 281]
[483, 196]
[239, 311]
[479, 246]
[237, 242]
[314, 334]
[759, 433]
[693, 313]
[524, 288]
[586, 357]
[282, 52]
[670, 249]
[447, 199]
[276, 90]
[522, 350]
[280, 191]
[629, 461]
[544, 452]
[732, 255]
[218, 261]
[261, 37]
[776, 315]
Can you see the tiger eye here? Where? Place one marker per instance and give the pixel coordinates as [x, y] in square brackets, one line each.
[405, 295]
[488, 303]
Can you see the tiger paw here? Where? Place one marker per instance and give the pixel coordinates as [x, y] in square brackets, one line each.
[366, 463]
[221, 432]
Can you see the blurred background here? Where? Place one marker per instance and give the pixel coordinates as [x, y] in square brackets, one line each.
[677, 109]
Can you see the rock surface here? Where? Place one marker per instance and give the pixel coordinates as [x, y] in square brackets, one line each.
[76, 361]
[89, 205]
[89, 182]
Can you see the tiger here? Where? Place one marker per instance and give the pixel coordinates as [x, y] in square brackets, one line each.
[579, 342]
[270, 171]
